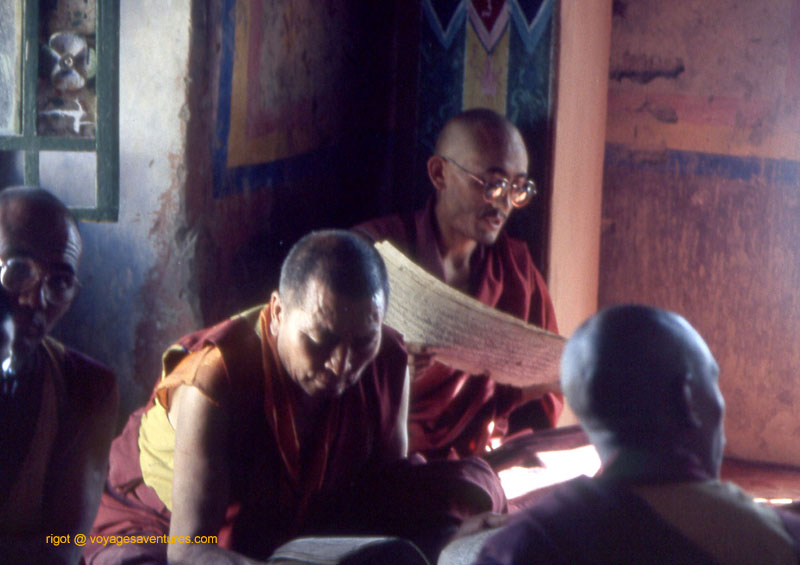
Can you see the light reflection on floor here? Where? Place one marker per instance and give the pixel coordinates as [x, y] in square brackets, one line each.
[768, 484]
[559, 466]
[772, 484]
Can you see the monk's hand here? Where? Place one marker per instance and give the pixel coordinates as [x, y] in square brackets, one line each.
[534, 392]
[420, 357]
[481, 522]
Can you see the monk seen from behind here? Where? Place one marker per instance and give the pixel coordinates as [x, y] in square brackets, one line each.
[645, 387]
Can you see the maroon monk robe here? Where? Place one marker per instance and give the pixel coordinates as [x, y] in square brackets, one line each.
[45, 429]
[272, 498]
[43, 442]
[451, 410]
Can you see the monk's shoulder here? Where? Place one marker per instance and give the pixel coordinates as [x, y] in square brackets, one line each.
[518, 252]
[218, 359]
[388, 228]
[392, 345]
[516, 249]
[241, 326]
[391, 361]
[86, 381]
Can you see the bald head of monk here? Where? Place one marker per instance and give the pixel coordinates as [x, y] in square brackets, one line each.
[642, 380]
[40, 248]
[327, 313]
[474, 148]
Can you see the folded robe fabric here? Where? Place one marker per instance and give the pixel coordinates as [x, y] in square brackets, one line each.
[61, 401]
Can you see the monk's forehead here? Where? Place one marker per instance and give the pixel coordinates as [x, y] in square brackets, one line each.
[320, 298]
[467, 138]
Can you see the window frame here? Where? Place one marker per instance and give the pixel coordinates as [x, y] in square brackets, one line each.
[105, 143]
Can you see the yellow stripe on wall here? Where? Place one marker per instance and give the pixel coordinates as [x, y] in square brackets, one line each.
[237, 134]
[485, 74]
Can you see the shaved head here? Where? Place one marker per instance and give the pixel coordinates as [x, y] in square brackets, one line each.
[473, 129]
[29, 209]
[40, 243]
[327, 314]
[474, 147]
[642, 378]
[340, 260]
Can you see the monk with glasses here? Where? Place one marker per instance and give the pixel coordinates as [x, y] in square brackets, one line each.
[57, 406]
[479, 172]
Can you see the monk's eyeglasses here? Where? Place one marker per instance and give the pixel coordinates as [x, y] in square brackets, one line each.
[521, 191]
[21, 274]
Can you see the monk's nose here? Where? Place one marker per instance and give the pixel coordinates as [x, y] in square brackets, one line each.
[32, 297]
[339, 362]
[505, 201]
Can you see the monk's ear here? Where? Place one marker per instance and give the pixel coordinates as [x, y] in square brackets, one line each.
[436, 172]
[688, 403]
[276, 312]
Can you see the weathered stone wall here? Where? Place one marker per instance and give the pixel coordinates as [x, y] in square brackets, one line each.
[702, 194]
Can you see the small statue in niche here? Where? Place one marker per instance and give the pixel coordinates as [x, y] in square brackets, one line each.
[67, 102]
[70, 59]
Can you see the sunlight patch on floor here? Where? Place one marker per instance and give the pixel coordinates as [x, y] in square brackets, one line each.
[559, 466]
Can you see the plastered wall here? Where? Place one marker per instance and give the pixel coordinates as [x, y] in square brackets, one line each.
[701, 194]
[134, 272]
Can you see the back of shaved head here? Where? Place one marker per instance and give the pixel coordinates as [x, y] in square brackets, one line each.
[631, 370]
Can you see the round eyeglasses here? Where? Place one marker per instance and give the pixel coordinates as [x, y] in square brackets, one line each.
[21, 274]
[520, 192]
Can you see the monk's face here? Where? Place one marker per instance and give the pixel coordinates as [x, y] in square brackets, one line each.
[490, 154]
[46, 240]
[708, 410]
[326, 340]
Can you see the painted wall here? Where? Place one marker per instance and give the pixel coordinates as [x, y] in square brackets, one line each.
[308, 120]
[701, 200]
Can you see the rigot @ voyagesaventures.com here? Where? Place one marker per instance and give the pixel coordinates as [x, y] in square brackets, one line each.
[81, 540]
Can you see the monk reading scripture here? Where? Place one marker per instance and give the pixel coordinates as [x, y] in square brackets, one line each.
[57, 406]
[480, 174]
[265, 426]
[644, 385]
